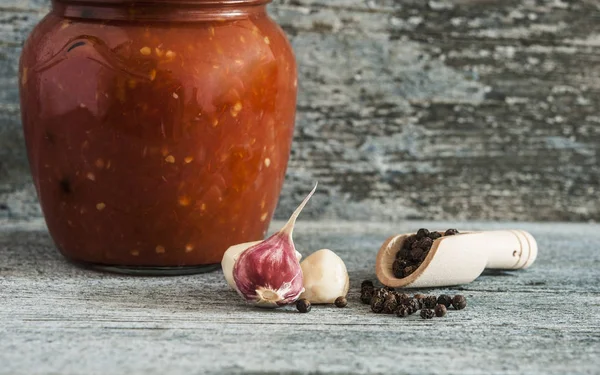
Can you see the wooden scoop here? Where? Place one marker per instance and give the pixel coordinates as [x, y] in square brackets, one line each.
[459, 259]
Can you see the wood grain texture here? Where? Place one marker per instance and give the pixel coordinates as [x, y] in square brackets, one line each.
[56, 318]
[481, 109]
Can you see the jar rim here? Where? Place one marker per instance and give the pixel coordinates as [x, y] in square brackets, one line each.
[158, 10]
[168, 2]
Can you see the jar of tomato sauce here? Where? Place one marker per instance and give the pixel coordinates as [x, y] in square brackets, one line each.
[158, 131]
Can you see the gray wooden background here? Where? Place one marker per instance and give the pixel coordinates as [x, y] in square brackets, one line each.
[480, 109]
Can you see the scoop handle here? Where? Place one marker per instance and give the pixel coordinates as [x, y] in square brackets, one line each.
[509, 249]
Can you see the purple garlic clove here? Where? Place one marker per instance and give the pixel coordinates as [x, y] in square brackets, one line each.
[268, 273]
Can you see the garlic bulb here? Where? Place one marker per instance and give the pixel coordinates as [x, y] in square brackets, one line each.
[325, 277]
[267, 273]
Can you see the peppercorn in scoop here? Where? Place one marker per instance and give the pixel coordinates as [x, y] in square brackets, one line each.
[414, 250]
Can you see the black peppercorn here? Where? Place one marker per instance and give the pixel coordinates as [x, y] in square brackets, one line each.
[380, 292]
[414, 305]
[390, 305]
[435, 235]
[377, 304]
[366, 283]
[416, 254]
[366, 295]
[422, 233]
[303, 305]
[440, 310]
[403, 253]
[459, 302]
[408, 270]
[341, 301]
[427, 314]
[424, 244]
[389, 289]
[419, 298]
[398, 268]
[409, 241]
[402, 298]
[403, 311]
[445, 300]
[450, 232]
[430, 302]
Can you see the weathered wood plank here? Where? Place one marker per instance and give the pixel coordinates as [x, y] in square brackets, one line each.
[440, 109]
[57, 318]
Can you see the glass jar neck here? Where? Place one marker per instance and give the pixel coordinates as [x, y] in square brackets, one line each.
[159, 10]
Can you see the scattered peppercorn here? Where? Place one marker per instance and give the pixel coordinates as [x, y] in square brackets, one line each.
[403, 311]
[440, 310]
[366, 283]
[427, 314]
[445, 300]
[459, 302]
[341, 301]
[450, 232]
[419, 297]
[390, 305]
[388, 301]
[303, 305]
[366, 295]
[430, 302]
[413, 305]
[402, 298]
[377, 304]
[380, 292]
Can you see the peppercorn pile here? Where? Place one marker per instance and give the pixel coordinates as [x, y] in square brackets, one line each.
[414, 250]
[387, 301]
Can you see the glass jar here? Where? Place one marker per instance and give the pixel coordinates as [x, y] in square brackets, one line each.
[158, 132]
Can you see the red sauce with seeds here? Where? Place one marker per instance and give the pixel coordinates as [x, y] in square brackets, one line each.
[157, 135]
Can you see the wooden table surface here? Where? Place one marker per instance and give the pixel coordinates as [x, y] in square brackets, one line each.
[56, 318]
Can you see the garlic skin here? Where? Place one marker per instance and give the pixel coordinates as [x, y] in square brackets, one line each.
[268, 273]
[325, 277]
[230, 257]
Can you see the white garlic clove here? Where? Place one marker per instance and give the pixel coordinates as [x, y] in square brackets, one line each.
[325, 277]
[230, 257]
